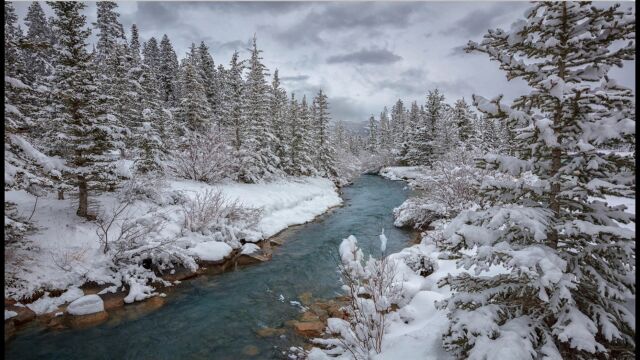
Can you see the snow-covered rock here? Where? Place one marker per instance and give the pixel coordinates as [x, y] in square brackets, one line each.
[85, 305]
[8, 314]
[211, 250]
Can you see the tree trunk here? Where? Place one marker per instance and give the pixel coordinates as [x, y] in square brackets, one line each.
[83, 198]
[60, 194]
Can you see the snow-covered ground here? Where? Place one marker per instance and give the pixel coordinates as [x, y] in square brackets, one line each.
[415, 330]
[65, 251]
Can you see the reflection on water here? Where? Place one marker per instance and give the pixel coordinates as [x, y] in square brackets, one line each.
[217, 317]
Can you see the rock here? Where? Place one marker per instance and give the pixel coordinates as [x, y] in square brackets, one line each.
[334, 311]
[269, 332]
[251, 350]
[85, 305]
[305, 298]
[309, 316]
[57, 323]
[84, 321]
[8, 302]
[309, 328]
[180, 274]
[245, 259]
[9, 329]
[113, 300]
[149, 305]
[277, 241]
[24, 314]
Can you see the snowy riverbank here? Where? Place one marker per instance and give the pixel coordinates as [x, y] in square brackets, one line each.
[65, 252]
[415, 329]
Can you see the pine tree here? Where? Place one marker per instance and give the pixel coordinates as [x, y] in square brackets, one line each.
[447, 133]
[324, 150]
[258, 159]
[570, 261]
[397, 122]
[372, 139]
[111, 76]
[193, 111]
[233, 104]
[278, 115]
[385, 131]
[463, 119]
[151, 55]
[83, 138]
[38, 48]
[168, 71]
[207, 71]
[433, 113]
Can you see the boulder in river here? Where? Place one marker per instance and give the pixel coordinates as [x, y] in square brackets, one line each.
[24, 314]
[309, 328]
[84, 321]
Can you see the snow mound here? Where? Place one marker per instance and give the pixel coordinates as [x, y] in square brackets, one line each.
[211, 250]
[86, 305]
[8, 314]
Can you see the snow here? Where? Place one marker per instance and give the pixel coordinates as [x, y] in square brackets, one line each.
[211, 250]
[8, 314]
[47, 304]
[85, 305]
[66, 252]
[383, 241]
[250, 248]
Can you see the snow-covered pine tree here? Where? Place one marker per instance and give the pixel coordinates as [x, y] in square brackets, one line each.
[433, 113]
[418, 147]
[385, 141]
[411, 149]
[570, 261]
[278, 115]
[233, 103]
[397, 123]
[372, 137]
[207, 71]
[446, 135]
[168, 67]
[193, 111]
[324, 150]
[220, 94]
[82, 138]
[111, 73]
[151, 55]
[257, 156]
[295, 159]
[463, 120]
[38, 48]
[21, 169]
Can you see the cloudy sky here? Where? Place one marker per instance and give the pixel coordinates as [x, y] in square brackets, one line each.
[364, 55]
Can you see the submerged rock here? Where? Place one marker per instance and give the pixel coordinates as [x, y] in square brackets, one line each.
[84, 321]
[305, 298]
[251, 350]
[9, 329]
[269, 332]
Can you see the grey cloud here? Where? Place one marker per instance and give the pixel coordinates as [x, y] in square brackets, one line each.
[366, 56]
[295, 78]
[479, 21]
[345, 109]
[341, 16]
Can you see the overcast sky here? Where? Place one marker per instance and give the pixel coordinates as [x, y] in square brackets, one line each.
[364, 55]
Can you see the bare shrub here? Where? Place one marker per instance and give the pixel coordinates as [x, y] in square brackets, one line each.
[66, 260]
[453, 186]
[372, 287]
[202, 157]
[210, 210]
[123, 236]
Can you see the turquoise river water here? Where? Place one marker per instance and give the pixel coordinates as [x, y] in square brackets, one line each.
[216, 317]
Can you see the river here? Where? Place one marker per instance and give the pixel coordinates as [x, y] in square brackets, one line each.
[216, 317]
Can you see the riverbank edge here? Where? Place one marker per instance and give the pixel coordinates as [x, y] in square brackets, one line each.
[60, 319]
